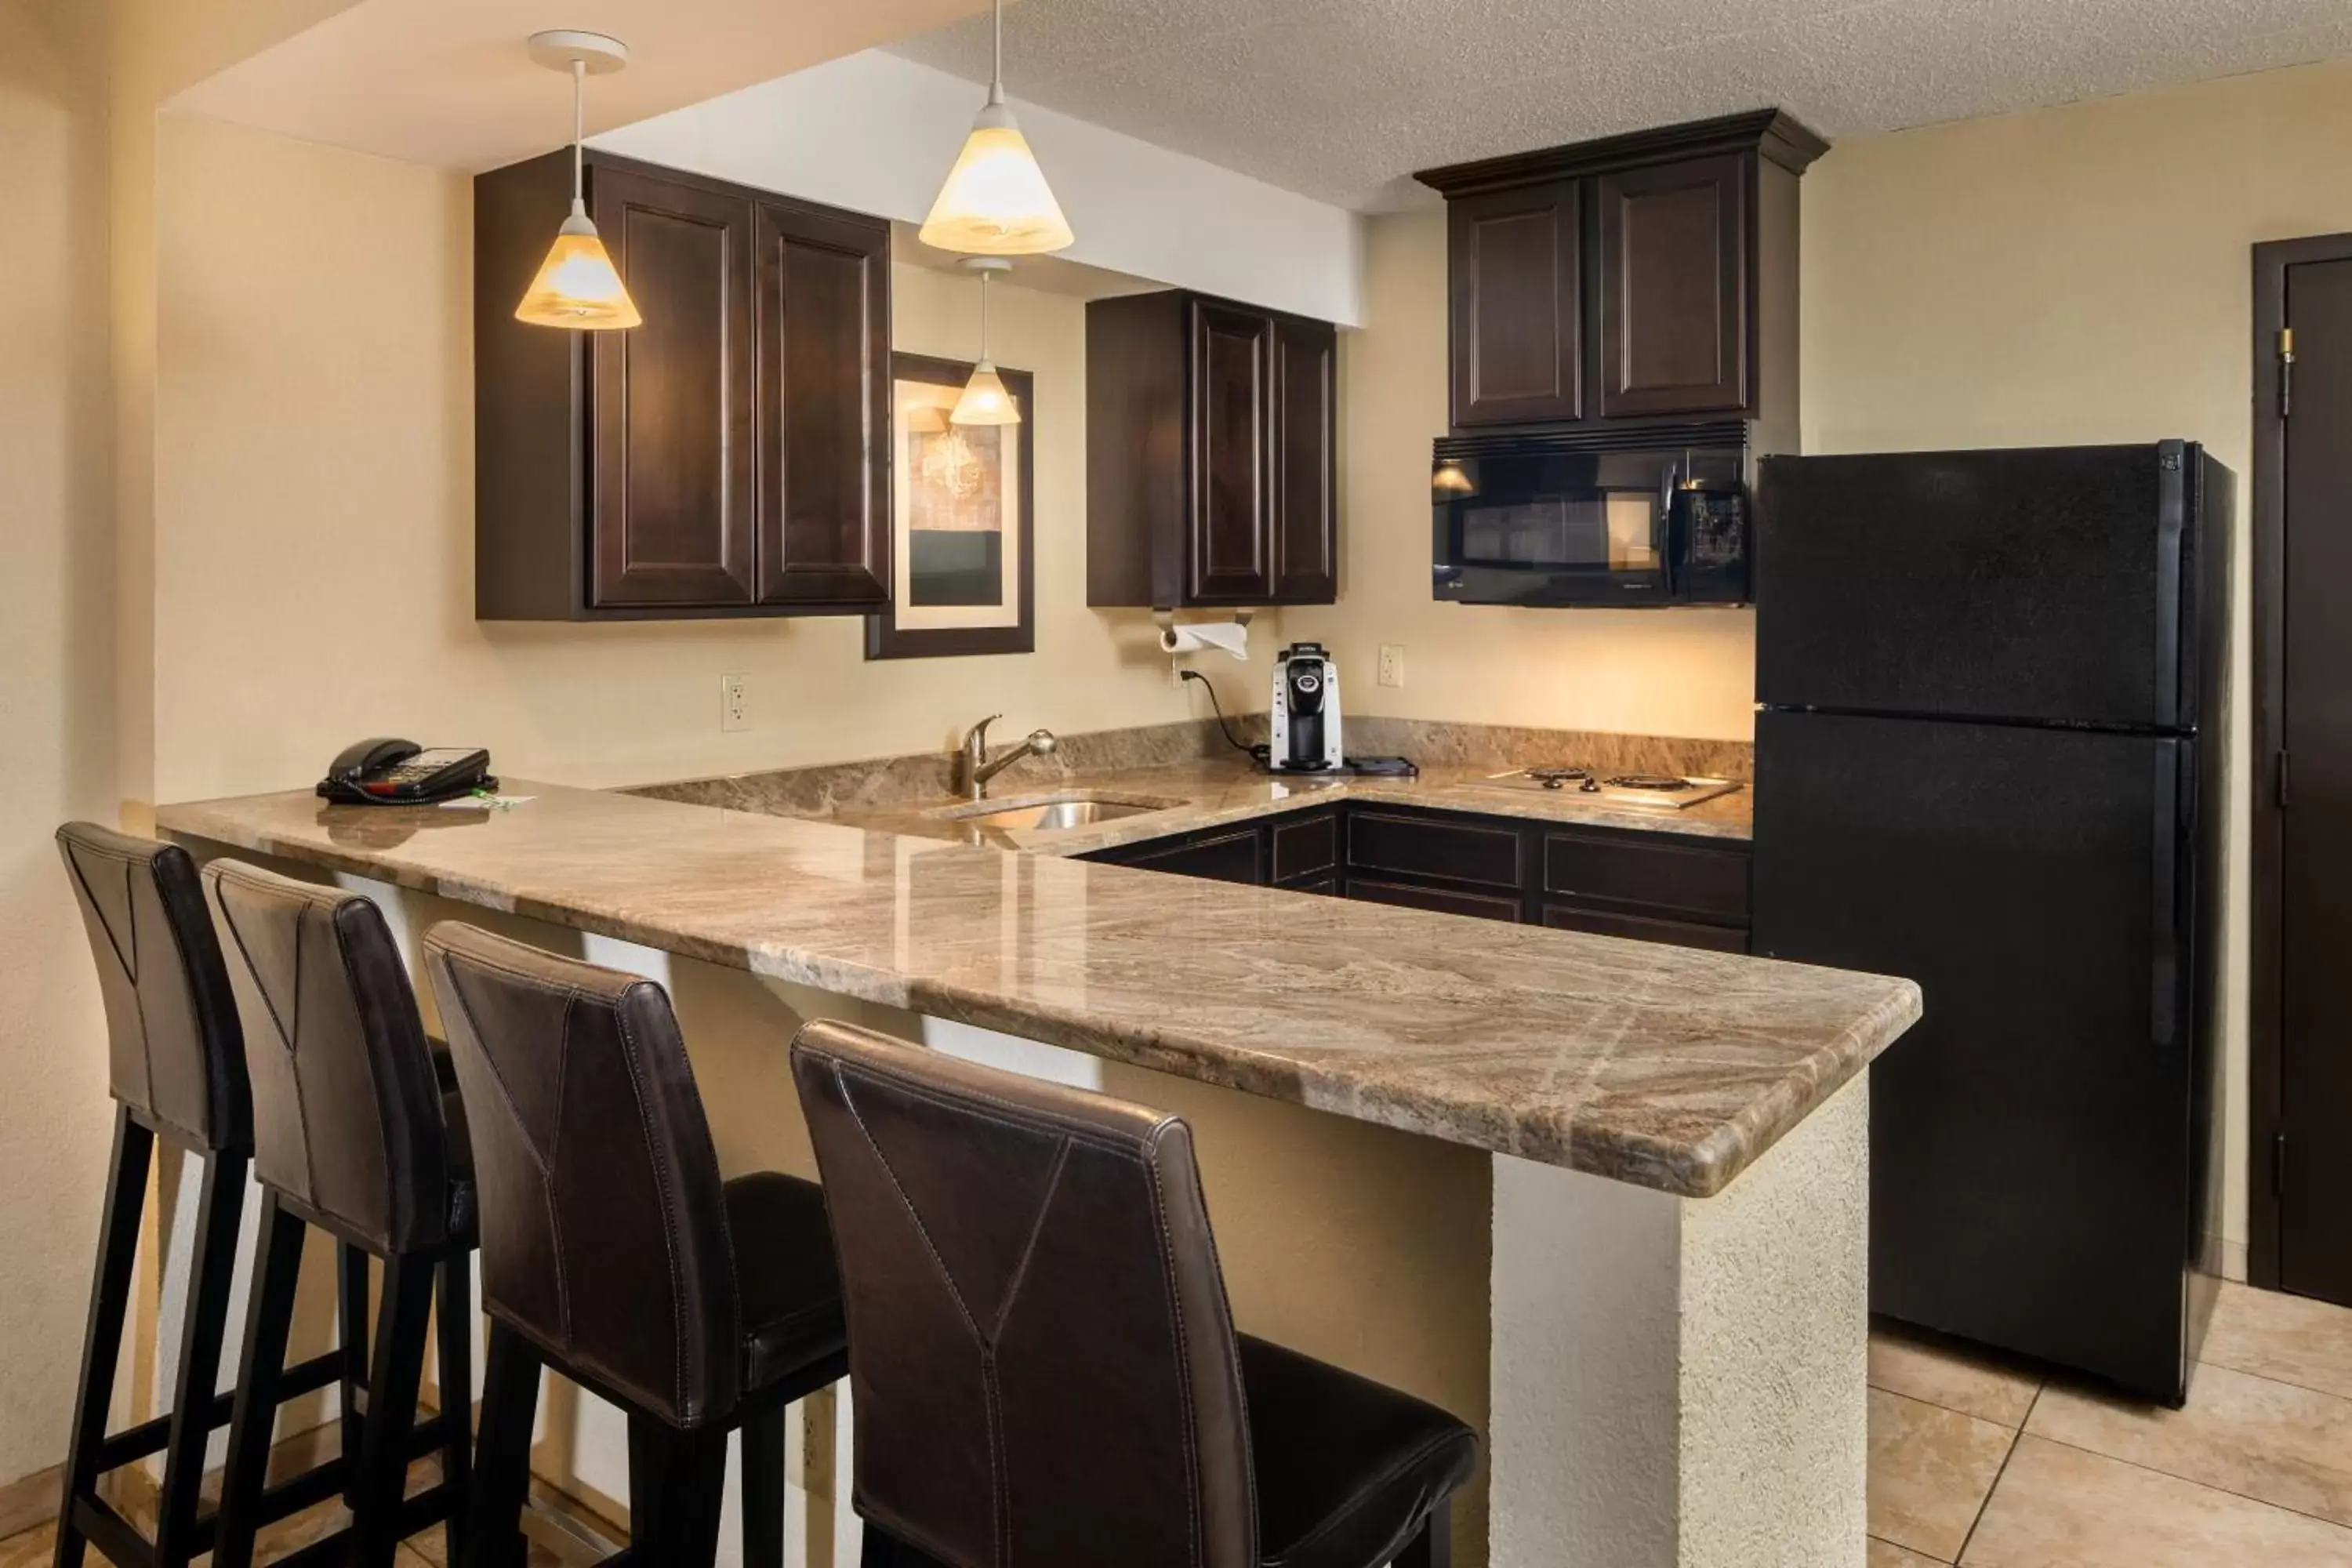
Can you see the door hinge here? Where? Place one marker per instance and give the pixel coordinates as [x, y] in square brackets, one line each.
[2278, 1164]
[2283, 791]
[2286, 370]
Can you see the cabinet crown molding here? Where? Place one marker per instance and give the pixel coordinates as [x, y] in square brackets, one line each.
[1773, 134]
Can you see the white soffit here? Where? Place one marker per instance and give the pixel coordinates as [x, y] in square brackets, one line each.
[447, 82]
[876, 133]
[1344, 98]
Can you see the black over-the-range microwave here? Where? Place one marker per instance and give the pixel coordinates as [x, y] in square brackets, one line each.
[1624, 517]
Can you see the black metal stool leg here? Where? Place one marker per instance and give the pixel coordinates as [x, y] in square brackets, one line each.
[454, 1312]
[764, 1489]
[110, 1304]
[502, 1456]
[352, 1299]
[270, 1319]
[391, 1410]
[220, 1215]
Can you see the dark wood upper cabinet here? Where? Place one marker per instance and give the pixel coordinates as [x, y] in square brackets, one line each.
[1517, 324]
[727, 457]
[670, 436]
[1658, 268]
[1674, 287]
[824, 298]
[1212, 450]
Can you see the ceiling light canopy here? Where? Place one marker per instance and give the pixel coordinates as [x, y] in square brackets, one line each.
[996, 201]
[577, 286]
[985, 400]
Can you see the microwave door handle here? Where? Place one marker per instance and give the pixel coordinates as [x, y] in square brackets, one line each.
[1666, 526]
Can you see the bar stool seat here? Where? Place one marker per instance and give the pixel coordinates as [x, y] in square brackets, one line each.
[790, 1287]
[1347, 1468]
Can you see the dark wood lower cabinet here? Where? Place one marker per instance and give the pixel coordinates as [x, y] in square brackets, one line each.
[1444, 900]
[1647, 886]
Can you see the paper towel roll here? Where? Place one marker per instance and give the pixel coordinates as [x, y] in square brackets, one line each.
[1226, 636]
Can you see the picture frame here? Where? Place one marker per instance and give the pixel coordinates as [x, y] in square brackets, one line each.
[963, 519]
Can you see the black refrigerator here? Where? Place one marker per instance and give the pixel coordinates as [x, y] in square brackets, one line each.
[1990, 756]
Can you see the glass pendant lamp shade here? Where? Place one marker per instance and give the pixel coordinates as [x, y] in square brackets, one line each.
[996, 201]
[985, 401]
[576, 286]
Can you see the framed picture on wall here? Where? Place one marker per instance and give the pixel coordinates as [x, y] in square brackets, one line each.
[959, 520]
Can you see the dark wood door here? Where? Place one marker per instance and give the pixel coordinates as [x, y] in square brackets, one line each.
[1229, 856]
[824, 323]
[1646, 928]
[1517, 325]
[1233, 539]
[671, 437]
[1674, 287]
[2315, 1164]
[1306, 451]
[1444, 900]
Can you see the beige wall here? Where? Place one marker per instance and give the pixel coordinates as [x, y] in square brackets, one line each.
[56, 708]
[1662, 672]
[2078, 274]
[314, 517]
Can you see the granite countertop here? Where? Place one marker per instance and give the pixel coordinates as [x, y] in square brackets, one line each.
[1663, 1067]
[1186, 796]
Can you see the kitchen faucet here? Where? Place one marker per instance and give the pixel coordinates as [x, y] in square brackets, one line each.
[978, 770]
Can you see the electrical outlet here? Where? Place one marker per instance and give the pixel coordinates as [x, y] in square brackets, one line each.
[734, 708]
[1392, 664]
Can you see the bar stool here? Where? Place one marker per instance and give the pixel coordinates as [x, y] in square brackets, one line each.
[355, 1135]
[1041, 1361]
[612, 1252]
[176, 1071]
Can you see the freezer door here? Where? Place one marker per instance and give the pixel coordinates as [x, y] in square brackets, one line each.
[2042, 584]
[2029, 1169]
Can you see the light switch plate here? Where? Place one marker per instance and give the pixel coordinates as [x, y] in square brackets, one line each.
[1392, 664]
[734, 707]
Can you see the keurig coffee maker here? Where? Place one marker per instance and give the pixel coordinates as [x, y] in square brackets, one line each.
[1306, 711]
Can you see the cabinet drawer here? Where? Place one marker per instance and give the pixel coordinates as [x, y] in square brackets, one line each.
[1305, 844]
[1457, 851]
[1689, 879]
[1220, 856]
[1328, 885]
[1445, 900]
[1646, 928]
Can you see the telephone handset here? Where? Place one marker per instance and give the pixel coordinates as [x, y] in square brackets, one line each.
[388, 772]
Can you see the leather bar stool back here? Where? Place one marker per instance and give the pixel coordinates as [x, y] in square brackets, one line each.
[176, 1069]
[1043, 1366]
[613, 1252]
[175, 1059]
[355, 1134]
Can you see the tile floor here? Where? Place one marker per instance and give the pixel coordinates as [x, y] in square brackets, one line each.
[1987, 1464]
[1983, 1463]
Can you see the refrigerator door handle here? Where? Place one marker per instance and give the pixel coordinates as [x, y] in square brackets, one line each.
[2167, 901]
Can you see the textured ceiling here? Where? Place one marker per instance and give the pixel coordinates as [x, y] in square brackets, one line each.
[1344, 98]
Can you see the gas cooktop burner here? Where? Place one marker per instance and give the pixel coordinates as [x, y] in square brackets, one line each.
[1553, 778]
[1659, 782]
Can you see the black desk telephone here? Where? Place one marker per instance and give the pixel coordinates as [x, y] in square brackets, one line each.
[386, 772]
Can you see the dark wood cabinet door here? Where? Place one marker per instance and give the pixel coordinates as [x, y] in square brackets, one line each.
[823, 300]
[1457, 849]
[1232, 554]
[1229, 856]
[1674, 288]
[1518, 334]
[671, 437]
[1646, 928]
[1306, 448]
[1444, 900]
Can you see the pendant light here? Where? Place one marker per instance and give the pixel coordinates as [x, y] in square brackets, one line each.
[576, 286]
[984, 399]
[996, 201]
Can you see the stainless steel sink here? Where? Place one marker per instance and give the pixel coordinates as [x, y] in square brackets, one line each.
[1082, 813]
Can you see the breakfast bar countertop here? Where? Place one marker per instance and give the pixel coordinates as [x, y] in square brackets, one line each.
[1662, 1067]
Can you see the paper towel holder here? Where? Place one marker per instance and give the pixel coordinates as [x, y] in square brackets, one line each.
[1166, 619]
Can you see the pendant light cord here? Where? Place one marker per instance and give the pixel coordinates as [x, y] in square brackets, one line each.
[996, 63]
[983, 317]
[579, 129]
